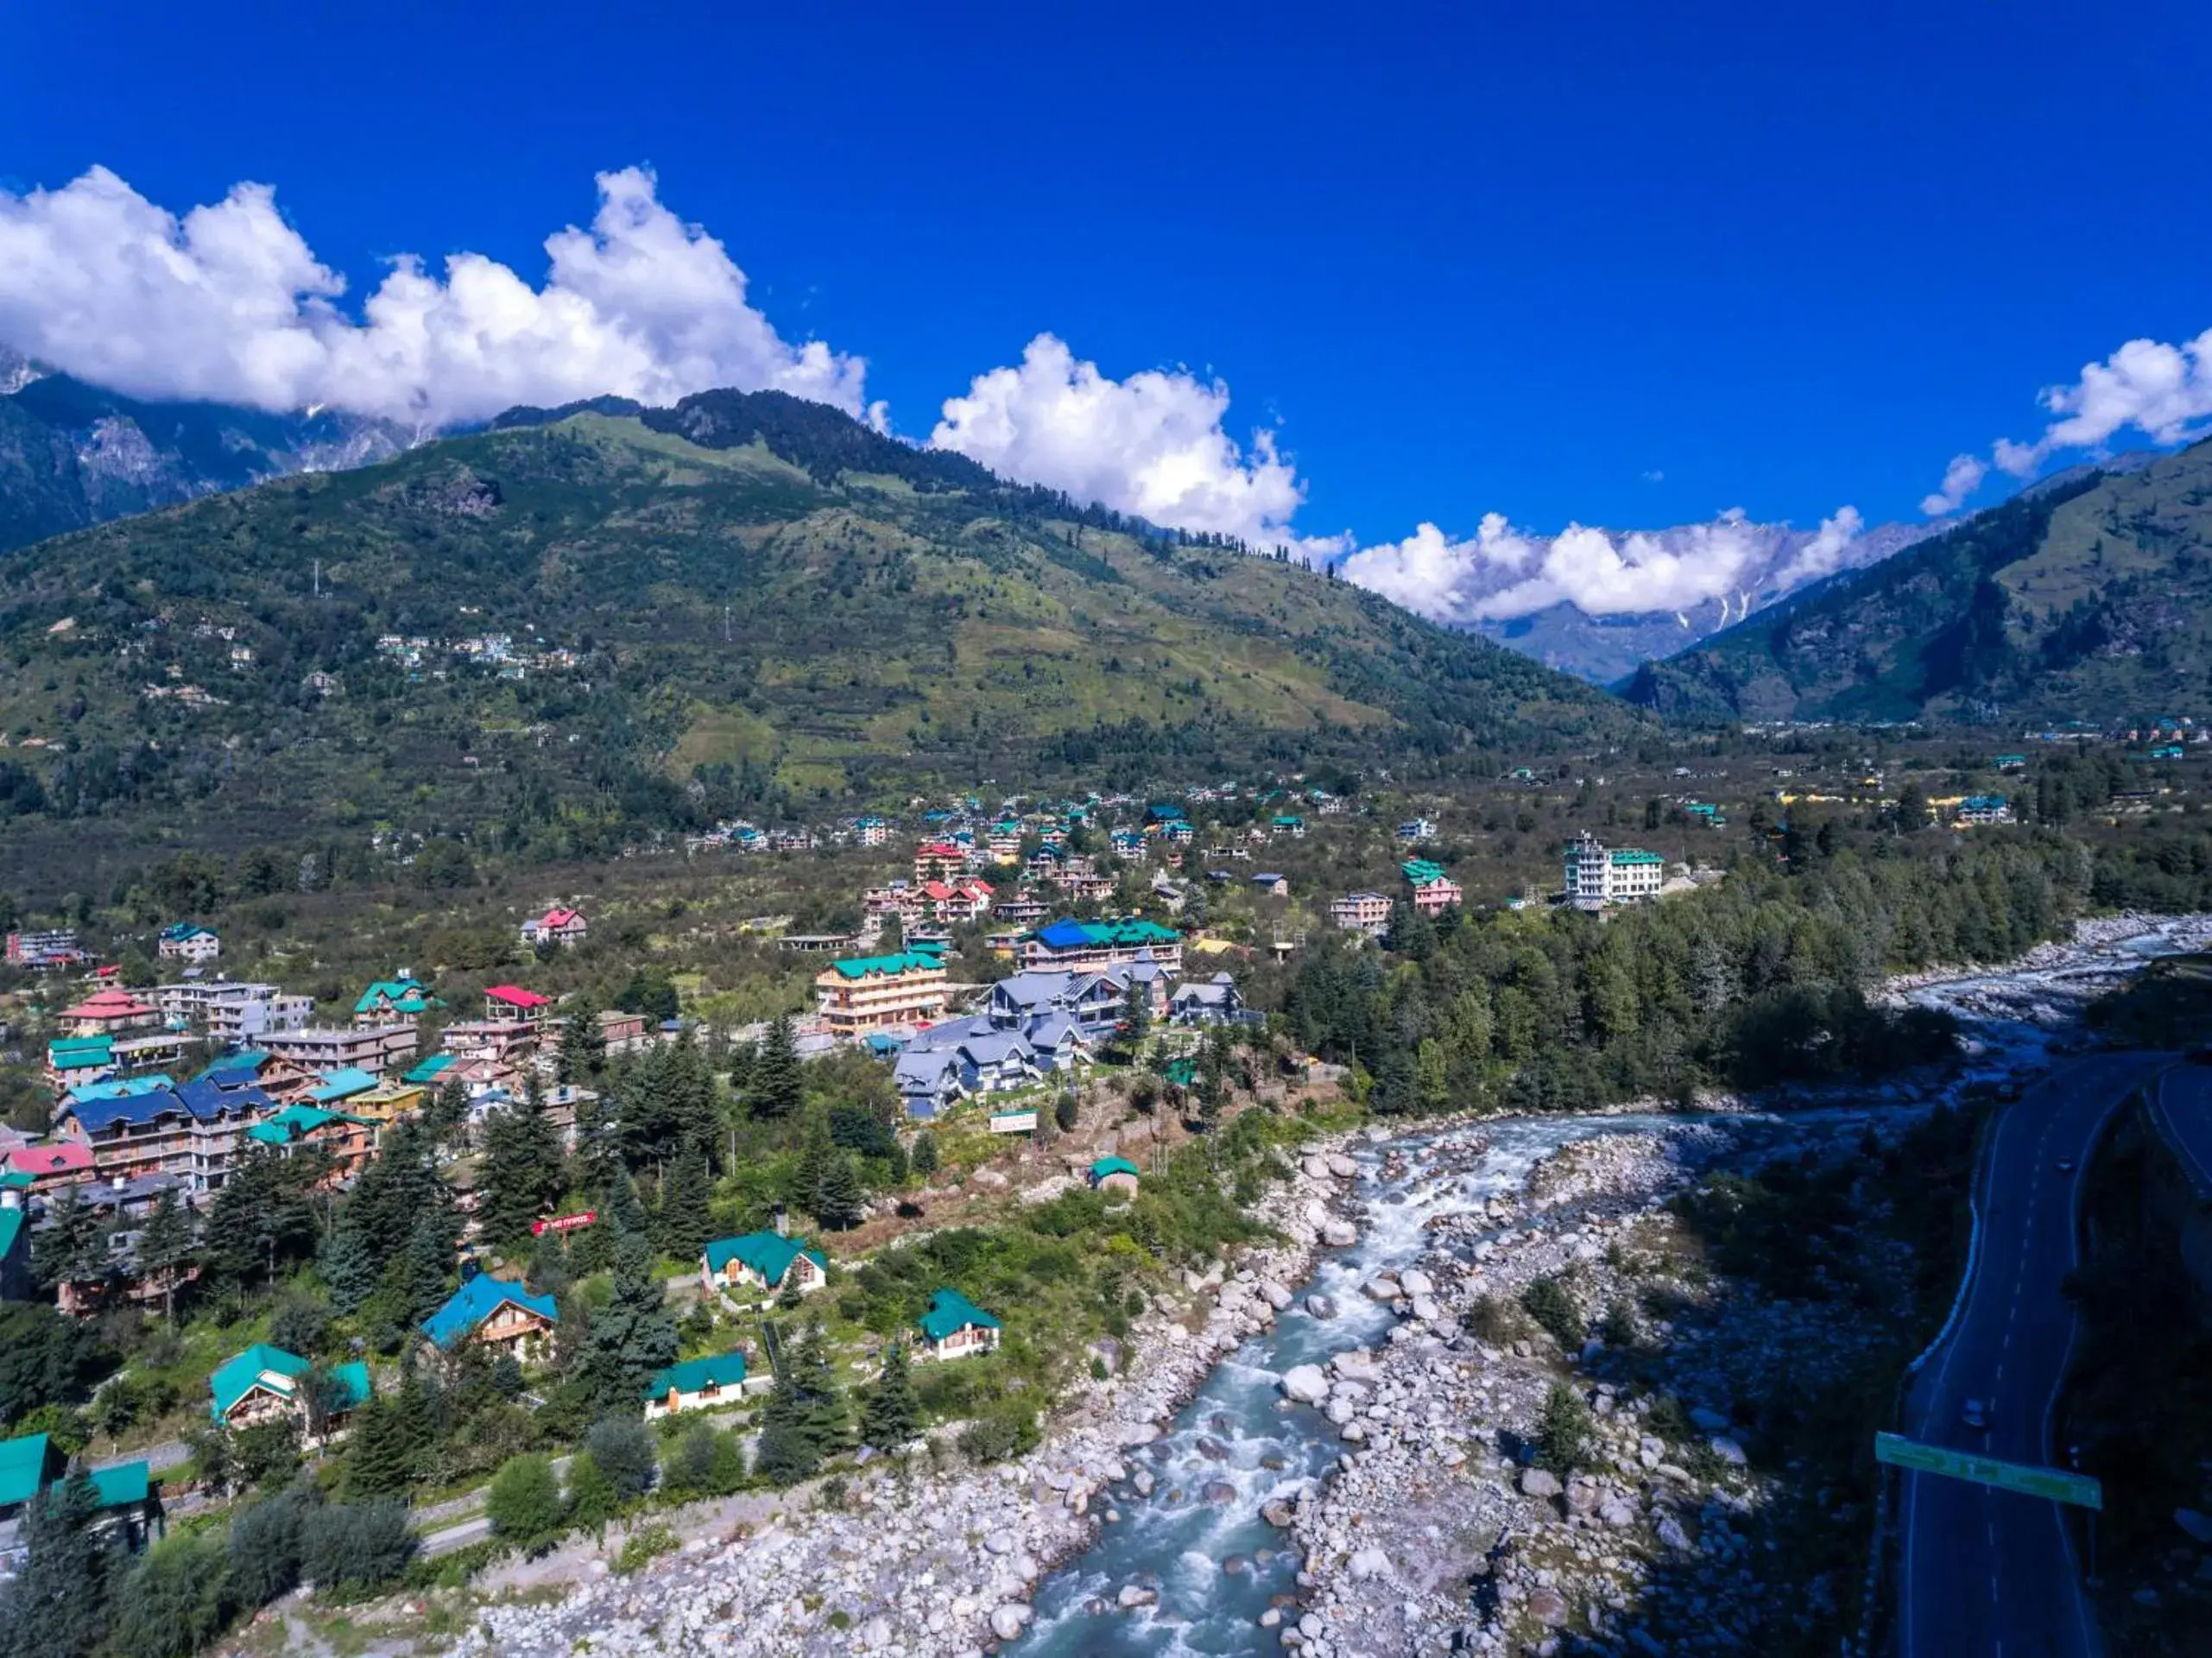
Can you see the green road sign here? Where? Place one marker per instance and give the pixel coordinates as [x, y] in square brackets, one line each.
[2029, 1481]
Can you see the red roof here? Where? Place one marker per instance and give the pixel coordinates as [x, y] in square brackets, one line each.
[61, 1159]
[515, 997]
[109, 1004]
[560, 917]
[936, 891]
[938, 848]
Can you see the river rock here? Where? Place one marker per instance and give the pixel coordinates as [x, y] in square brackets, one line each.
[1279, 1512]
[1276, 1295]
[1305, 1384]
[1384, 1289]
[1321, 1306]
[1353, 1367]
[1414, 1281]
[999, 1543]
[1141, 1482]
[1340, 1234]
[1316, 1167]
[1425, 1309]
[1728, 1451]
[1220, 1491]
[1615, 1513]
[1549, 1608]
[876, 1635]
[1342, 1166]
[1135, 1595]
[1008, 1620]
[1537, 1481]
[1369, 1562]
[1670, 1532]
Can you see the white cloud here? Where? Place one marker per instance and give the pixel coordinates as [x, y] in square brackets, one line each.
[1654, 476]
[2164, 391]
[1823, 554]
[1152, 445]
[229, 304]
[1961, 478]
[1502, 573]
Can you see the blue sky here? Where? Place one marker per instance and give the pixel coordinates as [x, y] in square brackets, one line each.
[1465, 260]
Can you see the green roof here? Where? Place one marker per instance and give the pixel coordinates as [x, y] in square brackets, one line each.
[342, 1083]
[24, 1467]
[721, 1370]
[769, 1254]
[81, 1053]
[949, 1311]
[1422, 872]
[1629, 855]
[431, 1068]
[1106, 1166]
[128, 1481]
[905, 961]
[236, 1376]
[12, 1228]
[295, 1122]
[395, 994]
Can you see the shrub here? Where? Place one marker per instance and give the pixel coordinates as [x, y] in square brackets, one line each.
[265, 1546]
[177, 1599]
[704, 1462]
[1006, 1431]
[624, 1450]
[1547, 1300]
[524, 1504]
[354, 1548]
[592, 1500]
[1494, 1322]
[1668, 1418]
[642, 1545]
[1619, 1328]
[1565, 1431]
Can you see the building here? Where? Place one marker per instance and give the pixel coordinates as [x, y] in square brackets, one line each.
[54, 947]
[1433, 890]
[17, 1282]
[765, 1263]
[1214, 1001]
[349, 1141]
[373, 1048]
[865, 993]
[110, 1013]
[183, 941]
[513, 1002]
[505, 1041]
[393, 1001]
[1271, 883]
[1413, 831]
[31, 1463]
[954, 1326]
[194, 1130]
[1597, 876]
[495, 1313]
[266, 1384]
[35, 1170]
[1074, 945]
[1984, 809]
[1362, 912]
[232, 1010]
[696, 1384]
[557, 926]
[1114, 1174]
[940, 860]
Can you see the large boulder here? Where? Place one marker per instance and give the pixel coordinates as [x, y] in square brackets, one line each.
[1537, 1482]
[1136, 1595]
[1414, 1281]
[1320, 1306]
[1342, 1166]
[1549, 1608]
[1369, 1562]
[1356, 1367]
[1728, 1451]
[1306, 1383]
[1340, 1234]
[1008, 1620]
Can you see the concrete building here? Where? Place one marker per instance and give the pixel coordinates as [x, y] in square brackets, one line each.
[1598, 875]
[866, 993]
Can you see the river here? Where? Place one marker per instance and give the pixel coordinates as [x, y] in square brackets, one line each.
[1198, 1539]
[1215, 1563]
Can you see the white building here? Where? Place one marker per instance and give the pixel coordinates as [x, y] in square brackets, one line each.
[1598, 875]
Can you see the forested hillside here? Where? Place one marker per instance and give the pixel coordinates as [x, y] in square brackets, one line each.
[2089, 598]
[598, 624]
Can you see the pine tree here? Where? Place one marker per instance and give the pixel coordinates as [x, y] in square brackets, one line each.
[166, 1246]
[633, 1336]
[840, 1201]
[73, 1248]
[817, 1150]
[521, 1175]
[349, 1266]
[824, 1417]
[582, 1042]
[685, 1217]
[924, 1156]
[778, 1089]
[380, 1461]
[892, 1414]
[425, 1268]
[60, 1606]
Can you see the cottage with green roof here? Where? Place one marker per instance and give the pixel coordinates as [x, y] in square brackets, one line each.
[393, 1002]
[696, 1384]
[1114, 1174]
[32, 1463]
[266, 1383]
[763, 1263]
[954, 1326]
[865, 993]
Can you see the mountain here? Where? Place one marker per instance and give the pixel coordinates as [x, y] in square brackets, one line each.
[72, 455]
[1774, 560]
[2087, 597]
[576, 629]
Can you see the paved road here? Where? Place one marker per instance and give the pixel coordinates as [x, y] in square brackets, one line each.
[2181, 1111]
[1984, 1573]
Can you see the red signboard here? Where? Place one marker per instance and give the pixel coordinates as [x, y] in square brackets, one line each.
[563, 1223]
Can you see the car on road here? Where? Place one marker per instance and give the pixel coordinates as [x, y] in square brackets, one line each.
[1975, 1412]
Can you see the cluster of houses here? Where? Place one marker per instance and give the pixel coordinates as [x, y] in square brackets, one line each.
[496, 651]
[129, 1126]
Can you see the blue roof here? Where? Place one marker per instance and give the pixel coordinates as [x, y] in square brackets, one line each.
[476, 1300]
[117, 1088]
[342, 1083]
[1064, 935]
[231, 1064]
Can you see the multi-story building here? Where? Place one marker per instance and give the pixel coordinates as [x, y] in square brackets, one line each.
[232, 1010]
[940, 860]
[559, 925]
[1433, 890]
[402, 1001]
[866, 993]
[1597, 874]
[504, 1039]
[111, 1012]
[1985, 809]
[513, 1002]
[374, 1048]
[54, 947]
[194, 1130]
[1362, 912]
[183, 941]
[1078, 945]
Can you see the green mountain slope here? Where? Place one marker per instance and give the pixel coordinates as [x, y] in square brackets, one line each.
[2089, 598]
[762, 606]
